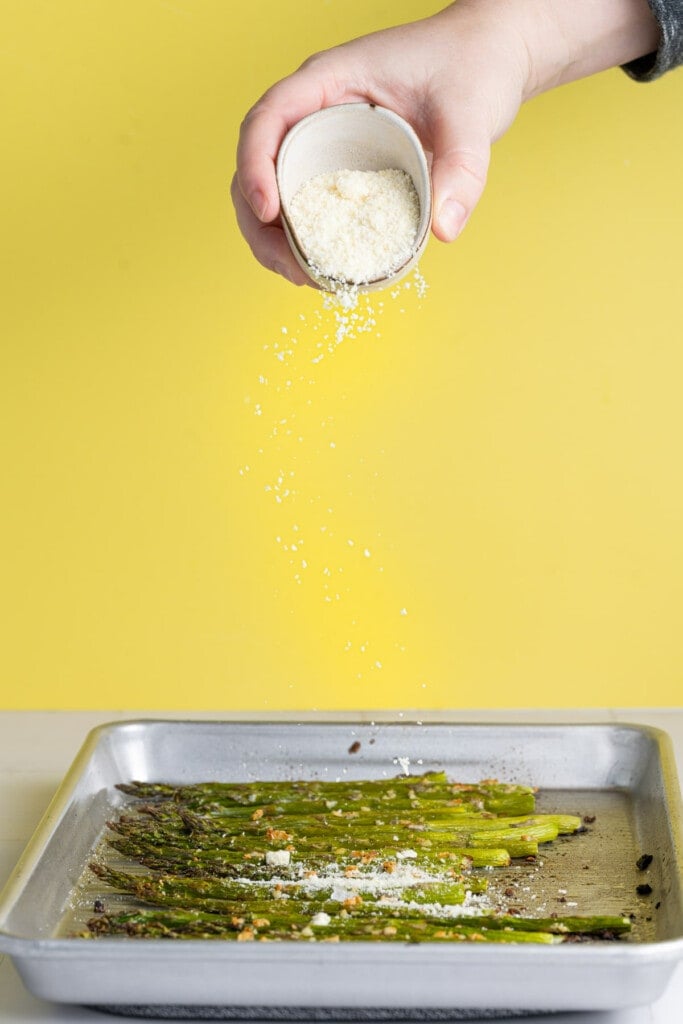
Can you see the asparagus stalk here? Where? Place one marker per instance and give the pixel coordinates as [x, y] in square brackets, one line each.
[195, 924]
[519, 839]
[495, 797]
[219, 896]
[177, 923]
[190, 860]
[239, 820]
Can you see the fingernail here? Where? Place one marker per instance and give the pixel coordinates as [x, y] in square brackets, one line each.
[259, 204]
[452, 217]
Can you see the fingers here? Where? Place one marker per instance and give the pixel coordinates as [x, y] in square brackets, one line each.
[459, 168]
[254, 187]
[267, 241]
[262, 132]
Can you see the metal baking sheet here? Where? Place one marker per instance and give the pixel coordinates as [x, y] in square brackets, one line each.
[624, 776]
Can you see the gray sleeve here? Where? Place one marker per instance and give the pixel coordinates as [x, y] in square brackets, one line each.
[669, 14]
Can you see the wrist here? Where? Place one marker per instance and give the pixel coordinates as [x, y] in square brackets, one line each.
[569, 41]
[552, 42]
[489, 43]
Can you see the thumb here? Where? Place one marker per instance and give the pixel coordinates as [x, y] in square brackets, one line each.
[459, 168]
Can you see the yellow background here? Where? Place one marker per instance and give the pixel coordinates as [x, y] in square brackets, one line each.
[508, 450]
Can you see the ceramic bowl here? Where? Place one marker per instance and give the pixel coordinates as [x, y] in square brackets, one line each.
[357, 137]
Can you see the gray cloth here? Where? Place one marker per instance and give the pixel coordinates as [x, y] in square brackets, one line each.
[669, 14]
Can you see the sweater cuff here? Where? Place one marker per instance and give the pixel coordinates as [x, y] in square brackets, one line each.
[669, 14]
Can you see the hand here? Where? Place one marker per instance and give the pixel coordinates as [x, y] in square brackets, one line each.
[458, 78]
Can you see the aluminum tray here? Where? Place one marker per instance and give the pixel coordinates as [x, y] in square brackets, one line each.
[624, 775]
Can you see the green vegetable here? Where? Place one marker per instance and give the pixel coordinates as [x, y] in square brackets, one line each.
[312, 860]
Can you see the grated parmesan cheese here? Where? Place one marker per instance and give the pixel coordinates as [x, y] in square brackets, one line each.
[277, 858]
[356, 226]
[321, 919]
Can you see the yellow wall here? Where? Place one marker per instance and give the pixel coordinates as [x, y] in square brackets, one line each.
[508, 450]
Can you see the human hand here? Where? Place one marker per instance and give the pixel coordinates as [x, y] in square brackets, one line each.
[453, 78]
[458, 78]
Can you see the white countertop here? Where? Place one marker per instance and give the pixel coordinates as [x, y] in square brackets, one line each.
[36, 748]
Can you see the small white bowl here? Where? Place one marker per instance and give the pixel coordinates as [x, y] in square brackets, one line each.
[356, 137]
